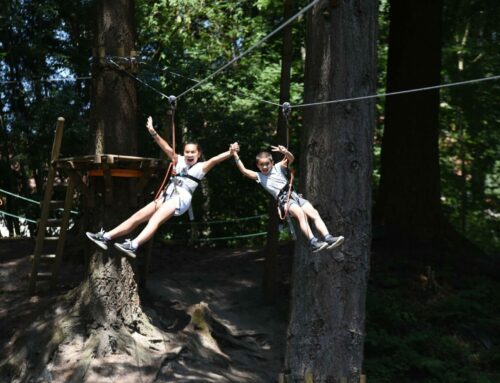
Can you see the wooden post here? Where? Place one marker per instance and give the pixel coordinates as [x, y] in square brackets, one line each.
[68, 202]
[120, 52]
[42, 223]
[56, 146]
[101, 53]
[108, 185]
[134, 67]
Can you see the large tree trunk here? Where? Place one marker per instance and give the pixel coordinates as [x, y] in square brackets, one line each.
[408, 201]
[326, 330]
[110, 288]
[114, 109]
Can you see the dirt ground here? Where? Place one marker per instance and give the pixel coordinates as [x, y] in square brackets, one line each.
[228, 281]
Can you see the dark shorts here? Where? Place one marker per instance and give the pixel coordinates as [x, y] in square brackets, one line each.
[294, 199]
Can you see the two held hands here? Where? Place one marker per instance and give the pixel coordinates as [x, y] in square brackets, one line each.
[234, 148]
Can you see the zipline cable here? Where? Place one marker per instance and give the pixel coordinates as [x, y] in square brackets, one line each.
[244, 53]
[196, 81]
[338, 101]
[414, 90]
[58, 79]
[139, 80]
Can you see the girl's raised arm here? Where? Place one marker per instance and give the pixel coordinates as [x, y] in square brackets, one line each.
[160, 141]
[207, 165]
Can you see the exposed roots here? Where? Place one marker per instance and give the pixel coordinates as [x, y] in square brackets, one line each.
[65, 346]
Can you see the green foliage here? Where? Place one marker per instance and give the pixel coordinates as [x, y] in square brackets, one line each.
[470, 135]
[181, 41]
[417, 335]
[192, 39]
[469, 118]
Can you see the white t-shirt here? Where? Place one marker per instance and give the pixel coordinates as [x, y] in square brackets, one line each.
[273, 181]
[184, 186]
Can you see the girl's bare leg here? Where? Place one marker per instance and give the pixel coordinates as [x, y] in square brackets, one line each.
[297, 212]
[135, 219]
[312, 213]
[165, 212]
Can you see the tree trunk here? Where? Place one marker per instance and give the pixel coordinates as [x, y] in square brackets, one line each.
[408, 200]
[326, 330]
[110, 286]
[271, 250]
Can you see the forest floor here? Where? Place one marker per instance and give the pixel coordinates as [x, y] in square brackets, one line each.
[227, 280]
[427, 319]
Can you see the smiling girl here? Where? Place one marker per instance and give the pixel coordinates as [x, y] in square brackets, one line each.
[174, 201]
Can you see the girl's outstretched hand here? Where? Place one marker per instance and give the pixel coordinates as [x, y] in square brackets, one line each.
[149, 125]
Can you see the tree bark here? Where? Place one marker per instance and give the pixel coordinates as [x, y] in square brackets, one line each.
[408, 201]
[109, 292]
[327, 320]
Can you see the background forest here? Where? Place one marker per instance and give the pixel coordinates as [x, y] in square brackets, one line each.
[441, 331]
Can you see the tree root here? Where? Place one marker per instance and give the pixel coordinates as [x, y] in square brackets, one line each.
[64, 346]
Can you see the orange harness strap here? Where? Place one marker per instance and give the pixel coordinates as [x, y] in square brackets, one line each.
[171, 167]
[287, 109]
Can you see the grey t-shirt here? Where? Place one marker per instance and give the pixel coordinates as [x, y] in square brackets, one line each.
[273, 181]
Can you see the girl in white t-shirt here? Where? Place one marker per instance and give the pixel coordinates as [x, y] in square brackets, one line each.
[175, 199]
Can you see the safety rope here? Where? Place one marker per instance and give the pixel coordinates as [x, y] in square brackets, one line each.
[171, 167]
[233, 237]
[16, 216]
[30, 200]
[19, 197]
[259, 234]
[232, 220]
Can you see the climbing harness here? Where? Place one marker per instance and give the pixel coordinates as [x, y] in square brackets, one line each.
[171, 172]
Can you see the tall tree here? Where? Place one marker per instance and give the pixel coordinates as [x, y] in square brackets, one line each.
[408, 199]
[110, 288]
[326, 330]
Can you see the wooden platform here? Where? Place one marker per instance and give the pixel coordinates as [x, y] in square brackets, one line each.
[97, 161]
